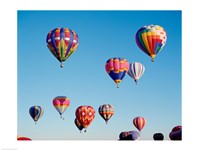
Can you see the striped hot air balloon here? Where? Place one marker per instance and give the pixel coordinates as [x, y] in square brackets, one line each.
[85, 115]
[151, 39]
[61, 103]
[106, 111]
[117, 68]
[36, 112]
[136, 70]
[62, 42]
[139, 123]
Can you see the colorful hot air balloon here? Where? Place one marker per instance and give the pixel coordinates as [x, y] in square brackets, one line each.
[158, 136]
[85, 115]
[22, 138]
[136, 70]
[106, 111]
[117, 68]
[139, 123]
[61, 103]
[78, 125]
[36, 112]
[130, 135]
[62, 42]
[151, 39]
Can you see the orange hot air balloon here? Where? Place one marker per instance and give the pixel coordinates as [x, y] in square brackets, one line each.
[85, 115]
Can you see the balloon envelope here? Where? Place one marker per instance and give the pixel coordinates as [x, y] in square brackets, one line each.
[23, 138]
[151, 39]
[139, 122]
[85, 115]
[117, 68]
[78, 125]
[61, 103]
[106, 111]
[36, 112]
[136, 70]
[130, 135]
[62, 42]
[158, 136]
[177, 135]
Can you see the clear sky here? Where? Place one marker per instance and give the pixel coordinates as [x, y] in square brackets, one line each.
[102, 35]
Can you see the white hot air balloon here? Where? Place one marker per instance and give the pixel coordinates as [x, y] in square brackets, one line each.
[136, 70]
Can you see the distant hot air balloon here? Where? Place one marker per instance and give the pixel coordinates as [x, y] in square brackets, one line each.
[123, 135]
[139, 123]
[61, 103]
[22, 138]
[85, 115]
[78, 125]
[176, 133]
[130, 135]
[36, 112]
[151, 39]
[136, 70]
[106, 111]
[158, 136]
[117, 68]
[62, 42]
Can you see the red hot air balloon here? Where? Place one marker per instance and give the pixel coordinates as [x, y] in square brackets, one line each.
[85, 115]
[22, 138]
[139, 123]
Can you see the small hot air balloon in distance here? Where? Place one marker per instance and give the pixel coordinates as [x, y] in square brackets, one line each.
[151, 39]
[23, 138]
[139, 123]
[62, 42]
[158, 137]
[136, 70]
[61, 103]
[176, 133]
[85, 115]
[106, 111]
[130, 135]
[36, 113]
[117, 68]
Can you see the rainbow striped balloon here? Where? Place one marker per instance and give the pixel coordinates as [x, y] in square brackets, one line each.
[151, 39]
[139, 123]
[62, 42]
[117, 68]
[61, 103]
[106, 111]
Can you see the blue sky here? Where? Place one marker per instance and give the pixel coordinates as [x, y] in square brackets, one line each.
[102, 35]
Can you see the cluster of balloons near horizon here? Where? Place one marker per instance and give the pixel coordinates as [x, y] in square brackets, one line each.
[139, 123]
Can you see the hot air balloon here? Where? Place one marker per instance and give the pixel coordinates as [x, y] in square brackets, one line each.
[151, 39]
[36, 113]
[130, 135]
[117, 68]
[139, 123]
[78, 125]
[62, 42]
[176, 133]
[158, 136]
[106, 111]
[21, 138]
[85, 115]
[136, 70]
[61, 103]
[123, 135]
